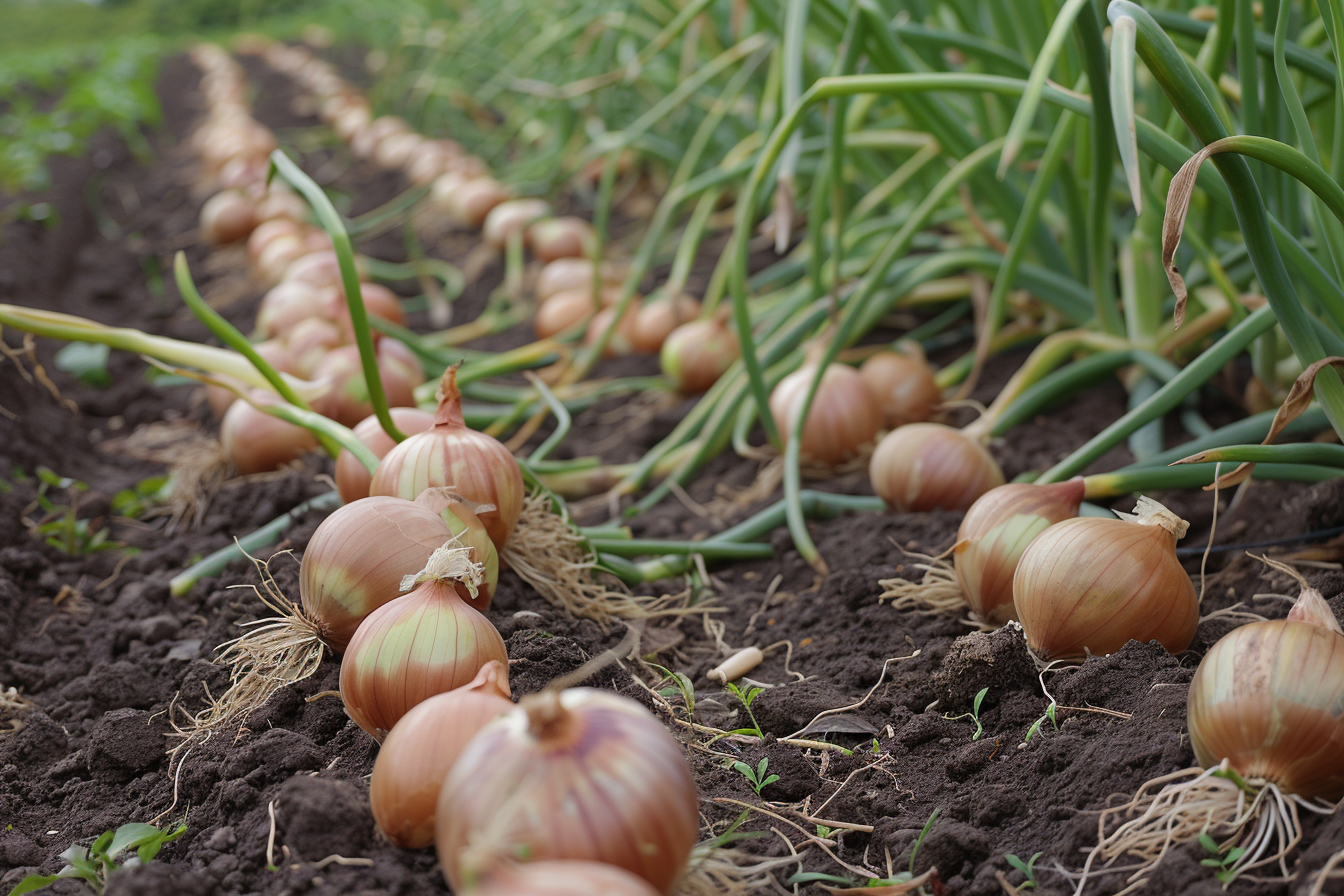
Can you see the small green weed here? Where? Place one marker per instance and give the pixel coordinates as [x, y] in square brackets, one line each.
[746, 696]
[93, 864]
[1028, 869]
[1223, 861]
[973, 715]
[903, 877]
[757, 776]
[1049, 716]
[681, 686]
[60, 525]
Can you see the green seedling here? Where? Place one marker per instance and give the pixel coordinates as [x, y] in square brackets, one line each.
[824, 832]
[1027, 868]
[928, 826]
[1224, 862]
[60, 525]
[746, 697]
[135, 502]
[903, 877]
[94, 864]
[973, 715]
[1049, 716]
[681, 686]
[757, 776]
[87, 361]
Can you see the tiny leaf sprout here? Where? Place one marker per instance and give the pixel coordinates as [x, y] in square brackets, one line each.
[1049, 715]
[1223, 861]
[928, 825]
[60, 525]
[757, 776]
[681, 686]
[974, 714]
[746, 697]
[1027, 868]
[93, 864]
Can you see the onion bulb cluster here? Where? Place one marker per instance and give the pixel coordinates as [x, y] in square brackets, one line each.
[929, 466]
[452, 454]
[1089, 585]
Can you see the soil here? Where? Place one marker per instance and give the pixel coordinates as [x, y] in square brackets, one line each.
[104, 656]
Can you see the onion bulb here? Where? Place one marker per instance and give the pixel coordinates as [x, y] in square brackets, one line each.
[347, 398]
[258, 442]
[1088, 585]
[929, 466]
[462, 517]
[621, 342]
[449, 453]
[573, 273]
[352, 477]
[567, 237]
[421, 644]
[562, 877]
[563, 311]
[309, 341]
[579, 774]
[421, 748]
[509, 219]
[903, 385]
[844, 414]
[470, 203]
[273, 352]
[227, 217]
[995, 532]
[658, 318]
[1267, 699]
[696, 354]
[355, 561]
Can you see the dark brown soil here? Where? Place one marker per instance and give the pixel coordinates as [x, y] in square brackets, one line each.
[103, 653]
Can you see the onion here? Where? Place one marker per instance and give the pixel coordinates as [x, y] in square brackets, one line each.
[282, 204]
[309, 341]
[1088, 585]
[276, 256]
[567, 237]
[563, 311]
[347, 399]
[450, 454]
[929, 466]
[696, 354]
[462, 517]
[287, 303]
[509, 219]
[844, 415]
[227, 217]
[257, 442]
[275, 353]
[995, 532]
[395, 150]
[903, 385]
[580, 774]
[621, 342]
[422, 747]
[562, 877]
[471, 202]
[358, 556]
[1267, 699]
[352, 477]
[424, 643]
[573, 273]
[658, 318]
[267, 231]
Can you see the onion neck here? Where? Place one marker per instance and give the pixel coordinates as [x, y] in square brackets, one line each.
[449, 412]
[547, 718]
[1148, 512]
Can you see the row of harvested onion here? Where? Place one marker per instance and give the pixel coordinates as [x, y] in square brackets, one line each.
[583, 782]
[303, 321]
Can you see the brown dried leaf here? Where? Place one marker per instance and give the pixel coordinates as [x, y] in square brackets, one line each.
[1173, 222]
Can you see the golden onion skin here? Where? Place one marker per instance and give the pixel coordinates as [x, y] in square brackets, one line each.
[844, 415]
[1269, 698]
[994, 533]
[562, 878]
[406, 651]
[356, 559]
[585, 774]
[352, 477]
[930, 466]
[1089, 585]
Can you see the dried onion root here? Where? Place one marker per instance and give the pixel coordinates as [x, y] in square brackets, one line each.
[548, 553]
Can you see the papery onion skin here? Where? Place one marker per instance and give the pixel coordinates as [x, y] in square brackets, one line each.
[352, 477]
[421, 748]
[843, 418]
[1269, 698]
[696, 354]
[459, 515]
[1089, 585]
[562, 877]
[451, 454]
[596, 777]
[357, 558]
[929, 466]
[421, 644]
[996, 530]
